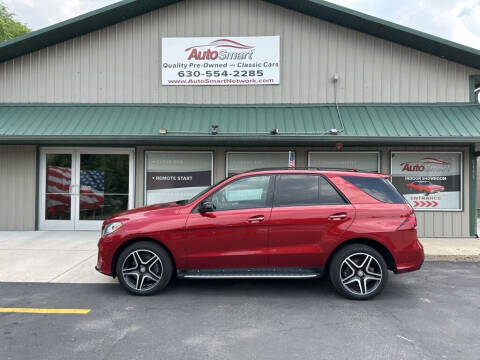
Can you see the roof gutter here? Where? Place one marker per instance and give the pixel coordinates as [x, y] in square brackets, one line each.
[228, 140]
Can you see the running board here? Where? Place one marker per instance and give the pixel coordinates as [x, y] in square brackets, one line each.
[251, 273]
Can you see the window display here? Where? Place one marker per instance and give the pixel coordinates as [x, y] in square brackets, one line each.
[429, 181]
[366, 160]
[176, 175]
[238, 162]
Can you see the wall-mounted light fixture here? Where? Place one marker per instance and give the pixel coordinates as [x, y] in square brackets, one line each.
[214, 130]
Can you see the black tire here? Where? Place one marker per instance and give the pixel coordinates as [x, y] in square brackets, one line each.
[359, 282]
[142, 256]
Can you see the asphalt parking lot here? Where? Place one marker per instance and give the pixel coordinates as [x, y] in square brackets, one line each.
[431, 314]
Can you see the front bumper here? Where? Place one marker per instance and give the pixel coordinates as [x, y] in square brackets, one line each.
[100, 271]
[104, 258]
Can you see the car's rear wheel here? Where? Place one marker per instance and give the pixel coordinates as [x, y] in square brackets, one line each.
[358, 272]
[144, 268]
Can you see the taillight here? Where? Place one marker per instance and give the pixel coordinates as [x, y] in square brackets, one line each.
[409, 223]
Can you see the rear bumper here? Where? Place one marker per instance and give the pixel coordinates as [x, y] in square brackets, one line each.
[410, 259]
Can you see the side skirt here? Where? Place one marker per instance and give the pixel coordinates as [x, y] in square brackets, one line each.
[252, 273]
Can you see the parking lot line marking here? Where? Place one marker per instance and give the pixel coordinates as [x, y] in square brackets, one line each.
[45, 311]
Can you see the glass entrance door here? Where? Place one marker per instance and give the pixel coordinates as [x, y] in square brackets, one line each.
[105, 186]
[97, 184]
[57, 199]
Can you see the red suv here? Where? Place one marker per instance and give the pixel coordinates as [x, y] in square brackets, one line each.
[350, 225]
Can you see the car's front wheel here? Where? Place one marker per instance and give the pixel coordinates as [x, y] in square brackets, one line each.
[358, 272]
[144, 268]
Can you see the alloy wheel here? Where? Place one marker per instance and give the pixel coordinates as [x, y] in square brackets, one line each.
[142, 270]
[361, 274]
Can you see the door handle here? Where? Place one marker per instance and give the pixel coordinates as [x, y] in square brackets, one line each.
[258, 218]
[338, 216]
[74, 189]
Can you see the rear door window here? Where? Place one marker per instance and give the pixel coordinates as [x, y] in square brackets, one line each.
[378, 188]
[305, 189]
[328, 194]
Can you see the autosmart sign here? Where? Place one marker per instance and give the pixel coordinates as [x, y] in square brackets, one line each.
[251, 60]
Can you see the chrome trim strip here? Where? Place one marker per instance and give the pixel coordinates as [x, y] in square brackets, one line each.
[248, 276]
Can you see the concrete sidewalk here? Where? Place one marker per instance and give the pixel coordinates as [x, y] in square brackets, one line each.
[70, 256]
[451, 249]
[50, 256]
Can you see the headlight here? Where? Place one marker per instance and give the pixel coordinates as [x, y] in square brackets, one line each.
[110, 228]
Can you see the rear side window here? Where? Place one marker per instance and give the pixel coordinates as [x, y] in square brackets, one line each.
[297, 190]
[328, 194]
[379, 188]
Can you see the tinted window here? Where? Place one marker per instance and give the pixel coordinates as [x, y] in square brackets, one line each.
[296, 190]
[328, 194]
[380, 189]
[246, 193]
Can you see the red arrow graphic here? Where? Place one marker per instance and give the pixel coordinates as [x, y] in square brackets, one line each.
[425, 203]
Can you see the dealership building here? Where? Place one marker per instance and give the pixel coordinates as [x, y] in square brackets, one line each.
[148, 101]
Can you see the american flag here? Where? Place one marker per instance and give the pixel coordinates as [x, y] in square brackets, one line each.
[91, 189]
[58, 189]
[291, 159]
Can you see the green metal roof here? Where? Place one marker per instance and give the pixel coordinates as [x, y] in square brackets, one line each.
[126, 9]
[190, 124]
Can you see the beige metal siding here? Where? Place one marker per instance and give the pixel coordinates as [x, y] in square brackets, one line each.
[17, 187]
[430, 224]
[122, 63]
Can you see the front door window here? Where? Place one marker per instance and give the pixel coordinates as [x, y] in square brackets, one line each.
[245, 193]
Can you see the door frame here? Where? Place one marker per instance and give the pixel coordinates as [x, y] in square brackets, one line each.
[44, 224]
[75, 223]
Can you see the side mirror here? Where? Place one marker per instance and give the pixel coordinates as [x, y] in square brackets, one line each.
[206, 206]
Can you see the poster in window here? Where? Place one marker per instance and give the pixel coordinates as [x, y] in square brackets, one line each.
[172, 176]
[238, 162]
[365, 161]
[429, 181]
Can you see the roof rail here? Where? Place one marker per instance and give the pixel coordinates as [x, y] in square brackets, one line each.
[313, 168]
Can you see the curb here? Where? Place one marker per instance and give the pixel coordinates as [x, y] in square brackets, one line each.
[453, 258]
